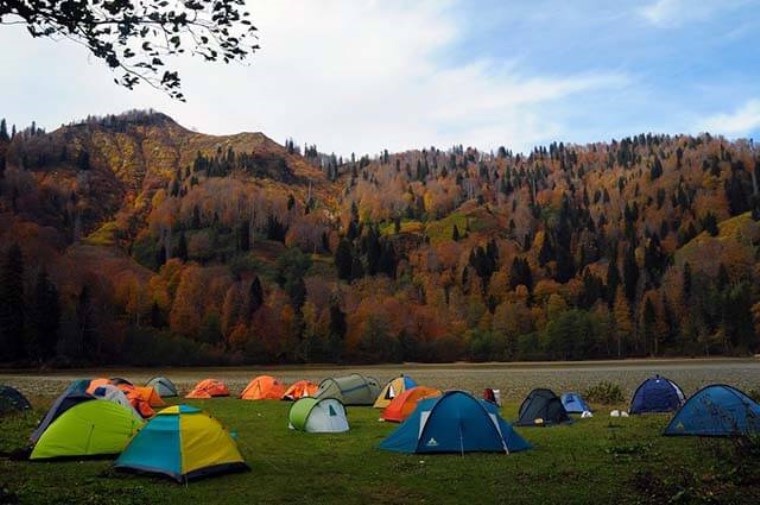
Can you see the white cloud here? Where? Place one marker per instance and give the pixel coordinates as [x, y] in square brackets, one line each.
[673, 13]
[741, 122]
[347, 75]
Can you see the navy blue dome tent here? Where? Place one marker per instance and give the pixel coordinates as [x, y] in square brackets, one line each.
[716, 411]
[11, 400]
[657, 394]
[455, 422]
[542, 408]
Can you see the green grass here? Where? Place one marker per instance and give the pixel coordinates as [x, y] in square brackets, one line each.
[598, 460]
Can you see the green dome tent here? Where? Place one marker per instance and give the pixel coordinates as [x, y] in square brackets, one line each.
[318, 415]
[354, 389]
[89, 428]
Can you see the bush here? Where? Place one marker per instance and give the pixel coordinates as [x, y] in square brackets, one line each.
[605, 393]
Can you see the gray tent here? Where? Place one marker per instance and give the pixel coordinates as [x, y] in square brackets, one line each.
[163, 386]
[354, 389]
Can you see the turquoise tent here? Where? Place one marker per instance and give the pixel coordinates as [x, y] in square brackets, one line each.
[183, 443]
[455, 422]
[716, 411]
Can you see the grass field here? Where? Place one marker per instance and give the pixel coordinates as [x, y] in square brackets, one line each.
[597, 460]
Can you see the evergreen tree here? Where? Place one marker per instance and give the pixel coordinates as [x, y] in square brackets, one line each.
[255, 296]
[85, 313]
[12, 307]
[455, 234]
[630, 274]
[337, 331]
[44, 318]
[344, 260]
[3, 131]
[245, 237]
[182, 247]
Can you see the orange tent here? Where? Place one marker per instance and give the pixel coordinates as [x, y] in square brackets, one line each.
[263, 387]
[96, 383]
[404, 404]
[209, 388]
[299, 390]
[142, 399]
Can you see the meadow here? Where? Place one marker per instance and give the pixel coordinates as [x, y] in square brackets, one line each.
[599, 460]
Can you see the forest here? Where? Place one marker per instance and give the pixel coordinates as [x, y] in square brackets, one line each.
[131, 240]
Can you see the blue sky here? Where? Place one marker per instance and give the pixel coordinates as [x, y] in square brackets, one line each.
[365, 75]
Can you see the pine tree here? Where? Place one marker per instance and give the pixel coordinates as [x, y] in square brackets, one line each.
[182, 247]
[3, 131]
[344, 259]
[630, 274]
[12, 307]
[255, 296]
[44, 318]
[623, 323]
[85, 313]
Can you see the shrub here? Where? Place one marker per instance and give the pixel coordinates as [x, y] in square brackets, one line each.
[605, 393]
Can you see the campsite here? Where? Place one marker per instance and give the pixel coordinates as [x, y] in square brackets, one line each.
[599, 459]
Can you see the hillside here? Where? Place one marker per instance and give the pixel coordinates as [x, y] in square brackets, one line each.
[163, 245]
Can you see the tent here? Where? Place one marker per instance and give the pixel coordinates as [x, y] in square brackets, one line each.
[574, 403]
[96, 383]
[71, 397]
[404, 404]
[656, 394]
[392, 389]
[164, 387]
[716, 411]
[118, 381]
[183, 443]
[113, 394]
[354, 389]
[318, 415]
[11, 400]
[542, 408]
[300, 389]
[263, 387]
[454, 422]
[89, 428]
[209, 388]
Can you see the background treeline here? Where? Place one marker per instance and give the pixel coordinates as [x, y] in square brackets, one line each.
[128, 239]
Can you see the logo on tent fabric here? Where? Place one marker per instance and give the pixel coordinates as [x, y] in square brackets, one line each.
[432, 442]
[390, 393]
[332, 411]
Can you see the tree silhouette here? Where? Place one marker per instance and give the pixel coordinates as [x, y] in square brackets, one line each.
[133, 36]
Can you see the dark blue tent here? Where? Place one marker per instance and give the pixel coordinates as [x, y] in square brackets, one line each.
[716, 411]
[574, 404]
[455, 422]
[656, 394]
[542, 408]
[11, 400]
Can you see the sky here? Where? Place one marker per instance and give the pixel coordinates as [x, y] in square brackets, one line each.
[360, 76]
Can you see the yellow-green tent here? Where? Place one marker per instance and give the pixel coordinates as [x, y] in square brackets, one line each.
[91, 428]
[184, 443]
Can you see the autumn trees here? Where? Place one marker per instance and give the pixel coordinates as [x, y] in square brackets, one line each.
[644, 246]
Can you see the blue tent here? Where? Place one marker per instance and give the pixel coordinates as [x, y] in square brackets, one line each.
[716, 411]
[656, 394]
[574, 404]
[454, 422]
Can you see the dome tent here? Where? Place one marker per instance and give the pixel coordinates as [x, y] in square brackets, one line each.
[263, 387]
[574, 403]
[89, 428]
[656, 394]
[164, 387]
[113, 394]
[11, 400]
[318, 415]
[455, 422]
[183, 443]
[300, 389]
[208, 388]
[716, 411]
[354, 389]
[542, 408]
[404, 404]
[392, 389]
